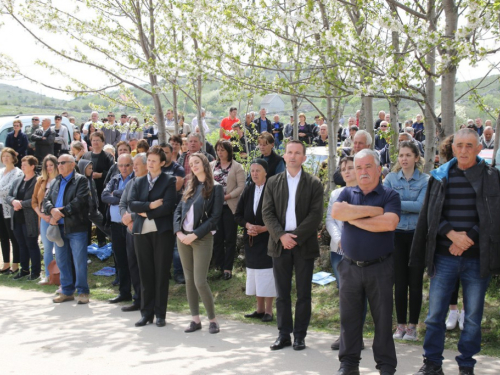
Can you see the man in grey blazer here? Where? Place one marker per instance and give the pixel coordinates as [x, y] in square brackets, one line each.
[292, 211]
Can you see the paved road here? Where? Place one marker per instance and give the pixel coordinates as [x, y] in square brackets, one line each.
[38, 336]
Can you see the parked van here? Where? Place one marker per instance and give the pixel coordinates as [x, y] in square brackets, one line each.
[6, 125]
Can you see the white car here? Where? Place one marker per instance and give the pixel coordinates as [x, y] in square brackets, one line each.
[6, 125]
[315, 157]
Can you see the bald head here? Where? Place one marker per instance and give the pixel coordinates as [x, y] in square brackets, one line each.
[125, 165]
[488, 133]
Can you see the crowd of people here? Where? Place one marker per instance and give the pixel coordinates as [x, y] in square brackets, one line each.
[180, 204]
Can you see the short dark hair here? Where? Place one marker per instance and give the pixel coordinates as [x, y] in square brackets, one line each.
[176, 138]
[168, 145]
[157, 150]
[226, 145]
[57, 117]
[232, 109]
[294, 141]
[98, 134]
[123, 143]
[143, 144]
[268, 137]
[345, 159]
[31, 160]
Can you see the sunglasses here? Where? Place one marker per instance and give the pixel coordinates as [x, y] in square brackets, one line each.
[35, 119]
[124, 165]
[112, 116]
[63, 162]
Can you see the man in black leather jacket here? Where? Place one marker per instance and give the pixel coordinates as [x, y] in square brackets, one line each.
[67, 203]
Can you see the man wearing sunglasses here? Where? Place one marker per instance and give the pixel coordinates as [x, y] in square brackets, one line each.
[67, 203]
[111, 195]
[35, 124]
[44, 138]
[111, 134]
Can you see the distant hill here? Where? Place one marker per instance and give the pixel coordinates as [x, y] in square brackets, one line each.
[14, 100]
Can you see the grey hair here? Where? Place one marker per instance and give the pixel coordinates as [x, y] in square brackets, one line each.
[125, 156]
[109, 147]
[47, 119]
[407, 136]
[466, 132]
[367, 135]
[94, 112]
[367, 152]
[197, 135]
[409, 130]
[141, 156]
[202, 110]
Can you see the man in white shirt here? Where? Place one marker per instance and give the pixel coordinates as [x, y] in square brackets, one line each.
[94, 119]
[292, 210]
[194, 123]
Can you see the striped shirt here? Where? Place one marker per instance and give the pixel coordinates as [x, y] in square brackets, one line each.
[459, 213]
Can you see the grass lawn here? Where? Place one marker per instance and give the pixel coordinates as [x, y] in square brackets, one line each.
[231, 302]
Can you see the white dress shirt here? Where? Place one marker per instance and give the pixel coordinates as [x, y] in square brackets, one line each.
[194, 124]
[291, 219]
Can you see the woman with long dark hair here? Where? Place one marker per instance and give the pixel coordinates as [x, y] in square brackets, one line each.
[195, 222]
[410, 182]
[153, 198]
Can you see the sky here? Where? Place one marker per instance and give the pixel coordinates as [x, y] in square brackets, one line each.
[20, 46]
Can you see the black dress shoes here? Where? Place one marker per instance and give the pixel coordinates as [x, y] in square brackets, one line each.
[144, 320]
[348, 371]
[227, 275]
[132, 307]
[120, 298]
[255, 314]
[160, 322]
[280, 343]
[299, 344]
[267, 318]
[192, 327]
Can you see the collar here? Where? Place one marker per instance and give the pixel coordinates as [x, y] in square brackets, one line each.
[152, 180]
[297, 177]
[69, 177]
[415, 175]
[129, 177]
[442, 172]
[379, 190]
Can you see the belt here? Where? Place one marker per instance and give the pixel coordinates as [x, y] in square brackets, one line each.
[186, 232]
[367, 262]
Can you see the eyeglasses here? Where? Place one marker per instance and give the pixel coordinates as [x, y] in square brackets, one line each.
[63, 162]
[111, 115]
[35, 119]
[58, 119]
[124, 165]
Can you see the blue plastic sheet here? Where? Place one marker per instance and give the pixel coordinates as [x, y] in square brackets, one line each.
[323, 278]
[102, 253]
[106, 271]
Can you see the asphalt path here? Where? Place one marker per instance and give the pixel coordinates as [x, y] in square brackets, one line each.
[40, 337]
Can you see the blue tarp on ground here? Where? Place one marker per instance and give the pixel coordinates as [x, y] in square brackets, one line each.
[323, 278]
[102, 253]
[106, 271]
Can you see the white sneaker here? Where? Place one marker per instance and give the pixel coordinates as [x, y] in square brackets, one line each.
[400, 332]
[461, 320]
[451, 322]
[410, 334]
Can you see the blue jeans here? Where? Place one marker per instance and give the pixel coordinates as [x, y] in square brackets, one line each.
[75, 243]
[335, 259]
[48, 246]
[448, 270]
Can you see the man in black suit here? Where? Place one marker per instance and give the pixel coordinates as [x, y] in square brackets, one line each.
[44, 140]
[292, 211]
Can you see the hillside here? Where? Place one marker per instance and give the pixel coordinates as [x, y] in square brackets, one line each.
[14, 100]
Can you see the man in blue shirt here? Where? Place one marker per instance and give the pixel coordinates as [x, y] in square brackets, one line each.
[263, 123]
[67, 203]
[371, 214]
[111, 196]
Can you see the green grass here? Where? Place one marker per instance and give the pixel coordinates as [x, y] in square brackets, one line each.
[232, 302]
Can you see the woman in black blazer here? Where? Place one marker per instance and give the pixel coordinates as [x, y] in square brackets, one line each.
[195, 221]
[260, 278]
[153, 198]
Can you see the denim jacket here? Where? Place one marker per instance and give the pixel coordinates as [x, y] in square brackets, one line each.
[412, 194]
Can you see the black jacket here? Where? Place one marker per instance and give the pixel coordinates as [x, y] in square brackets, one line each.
[75, 202]
[30, 216]
[19, 144]
[207, 212]
[308, 211]
[279, 129]
[485, 181]
[43, 147]
[140, 197]
[104, 163]
[256, 255]
[269, 125]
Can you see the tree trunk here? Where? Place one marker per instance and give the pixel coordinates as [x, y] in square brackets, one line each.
[449, 76]
[200, 119]
[497, 141]
[160, 118]
[394, 111]
[368, 117]
[295, 109]
[332, 143]
[175, 104]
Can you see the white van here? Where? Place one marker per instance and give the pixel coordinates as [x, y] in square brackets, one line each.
[6, 125]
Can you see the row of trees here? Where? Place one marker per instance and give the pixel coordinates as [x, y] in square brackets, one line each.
[305, 49]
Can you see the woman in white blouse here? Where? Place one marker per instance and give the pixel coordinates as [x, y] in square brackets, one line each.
[7, 177]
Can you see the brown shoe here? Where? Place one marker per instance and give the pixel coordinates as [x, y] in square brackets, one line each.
[82, 299]
[63, 298]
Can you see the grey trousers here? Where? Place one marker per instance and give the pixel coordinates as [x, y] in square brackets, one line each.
[195, 260]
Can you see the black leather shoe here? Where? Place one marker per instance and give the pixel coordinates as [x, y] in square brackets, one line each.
[193, 327]
[280, 343]
[255, 314]
[132, 307]
[119, 298]
[227, 275]
[299, 344]
[179, 279]
[430, 368]
[160, 322]
[116, 282]
[267, 318]
[348, 371]
[144, 320]
[465, 370]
